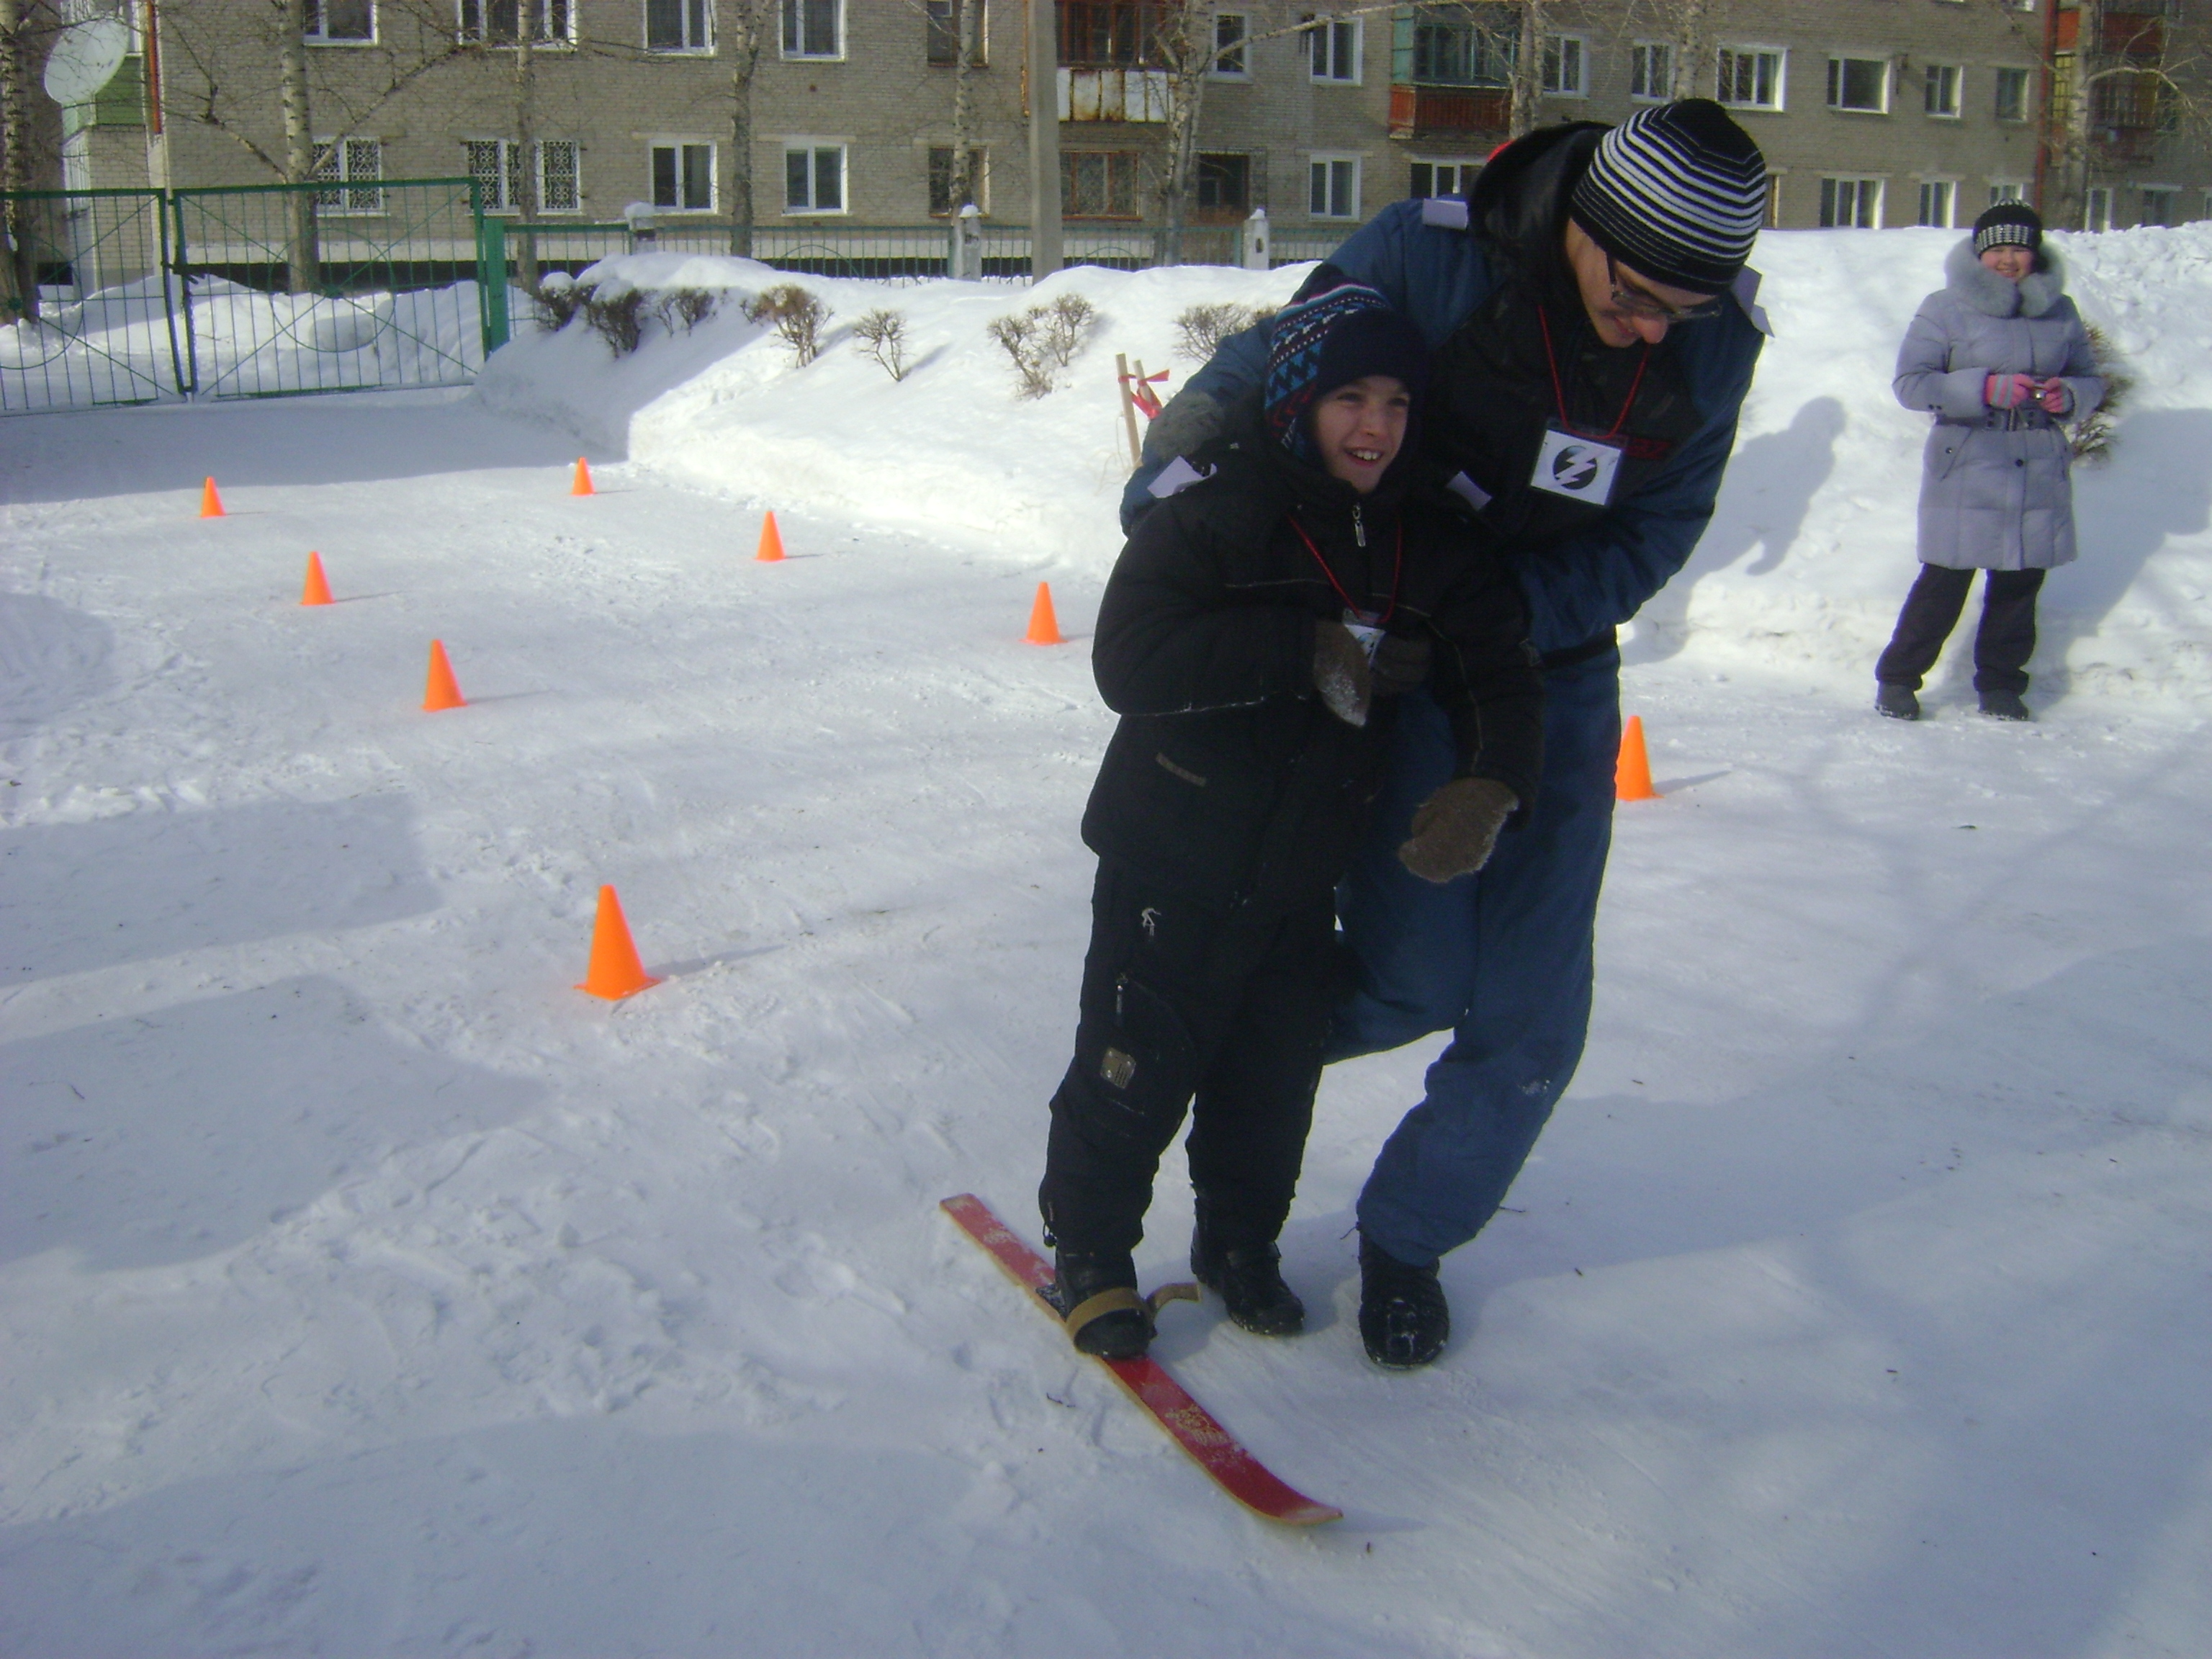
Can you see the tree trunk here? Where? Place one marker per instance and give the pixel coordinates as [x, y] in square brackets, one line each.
[1528, 70]
[970, 16]
[1189, 62]
[748, 34]
[1693, 49]
[302, 261]
[525, 135]
[20, 229]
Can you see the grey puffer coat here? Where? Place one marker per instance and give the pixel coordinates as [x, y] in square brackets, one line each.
[1995, 490]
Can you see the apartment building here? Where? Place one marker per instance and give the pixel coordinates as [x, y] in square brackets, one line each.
[1872, 112]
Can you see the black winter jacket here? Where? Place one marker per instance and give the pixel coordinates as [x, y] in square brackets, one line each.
[1228, 779]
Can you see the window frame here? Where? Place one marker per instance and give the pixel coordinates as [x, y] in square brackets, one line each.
[1931, 79]
[814, 149]
[2010, 75]
[1552, 54]
[1198, 175]
[1464, 170]
[575, 148]
[1319, 26]
[1839, 72]
[1949, 186]
[678, 143]
[2089, 205]
[2007, 189]
[1745, 49]
[1859, 183]
[948, 28]
[505, 170]
[315, 35]
[791, 11]
[705, 10]
[1218, 69]
[1116, 160]
[2144, 192]
[1639, 58]
[463, 32]
[341, 183]
[1331, 159]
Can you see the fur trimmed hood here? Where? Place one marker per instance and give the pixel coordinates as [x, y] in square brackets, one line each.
[1982, 290]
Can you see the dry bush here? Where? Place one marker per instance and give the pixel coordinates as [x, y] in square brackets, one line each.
[881, 335]
[1020, 336]
[1200, 330]
[1065, 327]
[616, 315]
[797, 316]
[558, 298]
[2095, 433]
[687, 306]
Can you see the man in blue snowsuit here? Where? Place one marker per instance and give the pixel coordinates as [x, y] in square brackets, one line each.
[1594, 332]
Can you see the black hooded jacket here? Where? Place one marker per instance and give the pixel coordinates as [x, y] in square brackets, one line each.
[1228, 779]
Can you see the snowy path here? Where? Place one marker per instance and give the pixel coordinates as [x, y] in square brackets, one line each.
[366, 1290]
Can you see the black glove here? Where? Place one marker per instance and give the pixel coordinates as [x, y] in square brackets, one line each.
[1401, 664]
[1455, 829]
[1340, 673]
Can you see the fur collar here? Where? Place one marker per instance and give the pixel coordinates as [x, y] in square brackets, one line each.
[1982, 290]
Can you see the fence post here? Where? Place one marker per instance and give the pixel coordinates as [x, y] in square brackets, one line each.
[1256, 251]
[491, 278]
[967, 243]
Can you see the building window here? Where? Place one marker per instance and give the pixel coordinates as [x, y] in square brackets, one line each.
[1941, 89]
[496, 165]
[943, 198]
[1851, 204]
[1564, 57]
[1333, 49]
[2006, 190]
[1859, 84]
[2158, 205]
[1332, 187]
[559, 188]
[2097, 214]
[678, 26]
[1232, 30]
[1937, 197]
[1098, 184]
[2012, 94]
[497, 22]
[1651, 70]
[684, 177]
[1224, 183]
[813, 178]
[1451, 49]
[341, 21]
[1751, 77]
[943, 31]
[349, 161]
[1442, 179]
[813, 28]
[1108, 34]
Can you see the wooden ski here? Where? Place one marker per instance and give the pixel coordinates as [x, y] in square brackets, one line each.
[1189, 1424]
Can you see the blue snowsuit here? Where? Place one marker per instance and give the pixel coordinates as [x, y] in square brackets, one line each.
[1503, 959]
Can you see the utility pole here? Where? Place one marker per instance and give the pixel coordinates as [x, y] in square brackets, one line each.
[1044, 139]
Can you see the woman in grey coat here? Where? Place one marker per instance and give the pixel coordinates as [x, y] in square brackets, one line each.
[2000, 357]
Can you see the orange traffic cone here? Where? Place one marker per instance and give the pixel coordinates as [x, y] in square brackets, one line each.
[210, 501]
[1044, 627]
[1631, 776]
[441, 692]
[317, 589]
[615, 972]
[771, 542]
[583, 485]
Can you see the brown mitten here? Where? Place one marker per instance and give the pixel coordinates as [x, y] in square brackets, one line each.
[1340, 673]
[1454, 829]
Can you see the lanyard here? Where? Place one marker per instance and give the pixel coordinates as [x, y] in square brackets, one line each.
[1397, 570]
[1559, 393]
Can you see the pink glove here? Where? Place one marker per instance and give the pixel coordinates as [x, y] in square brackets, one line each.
[2053, 397]
[2010, 391]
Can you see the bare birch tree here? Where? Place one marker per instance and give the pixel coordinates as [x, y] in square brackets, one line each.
[26, 28]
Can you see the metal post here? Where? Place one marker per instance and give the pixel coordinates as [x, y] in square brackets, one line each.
[1044, 139]
[1256, 251]
[967, 243]
[491, 274]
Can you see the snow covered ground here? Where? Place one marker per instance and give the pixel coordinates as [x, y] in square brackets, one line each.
[366, 1290]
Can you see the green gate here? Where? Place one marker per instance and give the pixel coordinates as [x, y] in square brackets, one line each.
[246, 291]
[85, 312]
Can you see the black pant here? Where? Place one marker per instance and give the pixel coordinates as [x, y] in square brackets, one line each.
[2002, 647]
[1179, 1001]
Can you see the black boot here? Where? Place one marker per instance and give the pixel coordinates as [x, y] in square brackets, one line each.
[1113, 1333]
[2005, 706]
[1249, 1282]
[1897, 702]
[1403, 1318]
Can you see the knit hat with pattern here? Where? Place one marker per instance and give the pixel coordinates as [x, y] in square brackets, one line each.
[1677, 193]
[1341, 335]
[2009, 224]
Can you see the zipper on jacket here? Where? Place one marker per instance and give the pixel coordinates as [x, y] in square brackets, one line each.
[1358, 526]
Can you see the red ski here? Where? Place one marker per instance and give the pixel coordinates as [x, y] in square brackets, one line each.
[1191, 1426]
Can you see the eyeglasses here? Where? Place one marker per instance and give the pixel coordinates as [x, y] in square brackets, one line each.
[1637, 303]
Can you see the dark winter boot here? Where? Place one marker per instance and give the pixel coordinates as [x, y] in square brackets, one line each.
[1403, 1318]
[1897, 702]
[1249, 1282]
[1096, 1297]
[2004, 705]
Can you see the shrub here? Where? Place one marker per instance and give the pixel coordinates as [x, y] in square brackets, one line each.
[557, 299]
[796, 315]
[2095, 433]
[1032, 362]
[689, 307]
[1065, 327]
[616, 315]
[1200, 330]
[881, 334]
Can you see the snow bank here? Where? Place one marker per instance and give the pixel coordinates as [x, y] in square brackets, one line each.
[1810, 549]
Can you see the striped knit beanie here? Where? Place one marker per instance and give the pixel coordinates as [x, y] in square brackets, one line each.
[1331, 339]
[2008, 223]
[1677, 193]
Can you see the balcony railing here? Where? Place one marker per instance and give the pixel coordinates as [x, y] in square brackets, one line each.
[1419, 112]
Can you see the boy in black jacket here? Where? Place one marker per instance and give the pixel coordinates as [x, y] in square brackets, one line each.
[1252, 637]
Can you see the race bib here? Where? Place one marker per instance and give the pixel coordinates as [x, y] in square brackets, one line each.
[1363, 626]
[1581, 469]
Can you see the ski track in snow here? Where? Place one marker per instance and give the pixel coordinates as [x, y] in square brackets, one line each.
[365, 1288]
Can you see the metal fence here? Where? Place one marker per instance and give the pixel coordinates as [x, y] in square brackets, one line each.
[246, 291]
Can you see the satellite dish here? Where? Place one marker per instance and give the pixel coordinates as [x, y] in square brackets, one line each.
[85, 58]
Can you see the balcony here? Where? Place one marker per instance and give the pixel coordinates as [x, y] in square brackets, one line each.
[1460, 113]
[1113, 94]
